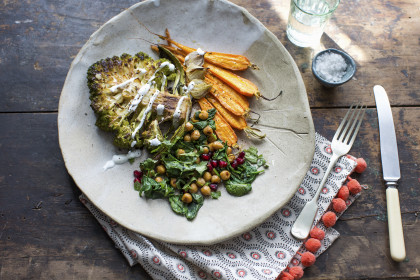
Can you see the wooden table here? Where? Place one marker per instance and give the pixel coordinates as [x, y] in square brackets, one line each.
[46, 233]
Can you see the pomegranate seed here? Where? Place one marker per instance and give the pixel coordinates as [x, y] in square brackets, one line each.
[211, 154]
[209, 167]
[213, 187]
[240, 160]
[222, 164]
[241, 155]
[137, 180]
[138, 174]
[234, 164]
[205, 156]
[214, 163]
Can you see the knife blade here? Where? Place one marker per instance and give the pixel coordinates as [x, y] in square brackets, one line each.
[391, 172]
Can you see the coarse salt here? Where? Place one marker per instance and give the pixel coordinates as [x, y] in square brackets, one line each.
[331, 67]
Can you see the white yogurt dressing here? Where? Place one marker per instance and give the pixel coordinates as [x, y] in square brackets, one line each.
[200, 51]
[159, 109]
[177, 113]
[189, 88]
[121, 159]
[139, 97]
[155, 142]
[148, 108]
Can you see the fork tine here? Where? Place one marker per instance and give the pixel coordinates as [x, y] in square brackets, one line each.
[356, 130]
[349, 133]
[346, 131]
[338, 132]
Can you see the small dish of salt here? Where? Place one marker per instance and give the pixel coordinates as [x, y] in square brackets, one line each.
[333, 67]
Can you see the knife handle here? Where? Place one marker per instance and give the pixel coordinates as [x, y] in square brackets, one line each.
[396, 236]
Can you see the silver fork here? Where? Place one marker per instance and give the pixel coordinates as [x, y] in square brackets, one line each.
[341, 144]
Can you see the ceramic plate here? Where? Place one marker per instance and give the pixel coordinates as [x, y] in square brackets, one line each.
[214, 25]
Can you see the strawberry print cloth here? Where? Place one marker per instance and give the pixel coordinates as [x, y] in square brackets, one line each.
[258, 254]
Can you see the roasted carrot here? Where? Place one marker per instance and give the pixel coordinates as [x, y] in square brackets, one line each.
[237, 122]
[223, 130]
[228, 91]
[234, 62]
[230, 104]
[241, 85]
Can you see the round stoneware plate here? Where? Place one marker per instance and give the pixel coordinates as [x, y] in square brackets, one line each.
[213, 25]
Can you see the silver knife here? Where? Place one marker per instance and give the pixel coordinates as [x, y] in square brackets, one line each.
[391, 172]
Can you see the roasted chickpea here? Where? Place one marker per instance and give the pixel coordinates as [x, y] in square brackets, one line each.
[225, 175]
[158, 179]
[203, 115]
[231, 158]
[206, 150]
[187, 138]
[207, 176]
[228, 150]
[208, 130]
[173, 182]
[193, 188]
[189, 126]
[187, 198]
[201, 182]
[180, 152]
[215, 146]
[160, 169]
[195, 135]
[198, 160]
[215, 179]
[206, 190]
[211, 138]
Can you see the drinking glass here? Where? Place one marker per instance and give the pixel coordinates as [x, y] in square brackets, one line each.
[307, 19]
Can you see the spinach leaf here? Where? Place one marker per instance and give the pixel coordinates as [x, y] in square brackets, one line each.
[194, 206]
[212, 113]
[197, 197]
[237, 189]
[153, 189]
[148, 165]
[177, 205]
[216, 195]
[252, 156]
[137, 185]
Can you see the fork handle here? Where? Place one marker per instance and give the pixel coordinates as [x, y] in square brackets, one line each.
[333, 161]
[303, 223]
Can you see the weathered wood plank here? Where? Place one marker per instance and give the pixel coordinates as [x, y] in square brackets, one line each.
[62, 232]
[45, 232]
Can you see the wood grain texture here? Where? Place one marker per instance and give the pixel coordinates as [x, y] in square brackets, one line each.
[46, 233]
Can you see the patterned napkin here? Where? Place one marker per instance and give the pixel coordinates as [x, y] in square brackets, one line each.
[258, 254]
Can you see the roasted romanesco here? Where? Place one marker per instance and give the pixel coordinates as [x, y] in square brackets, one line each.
[133, 95]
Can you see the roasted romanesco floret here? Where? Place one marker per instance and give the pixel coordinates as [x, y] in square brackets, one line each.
[125, 92]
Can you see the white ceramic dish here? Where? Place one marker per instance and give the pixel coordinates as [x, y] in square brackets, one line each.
[215, 25]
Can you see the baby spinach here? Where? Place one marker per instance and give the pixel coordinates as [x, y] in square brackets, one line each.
[237, 188]
[153, 189]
